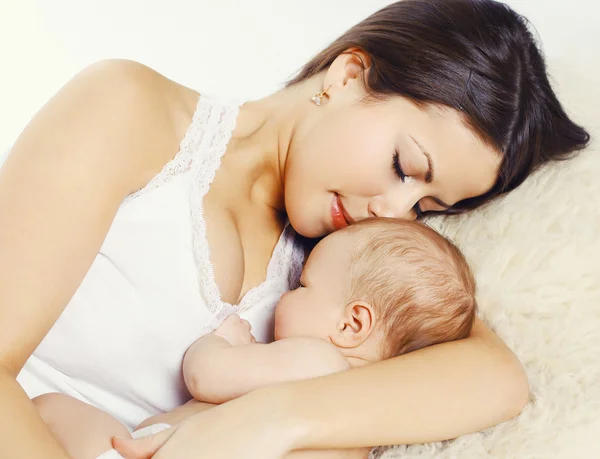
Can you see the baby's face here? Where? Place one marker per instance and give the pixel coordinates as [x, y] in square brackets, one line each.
[315, 308]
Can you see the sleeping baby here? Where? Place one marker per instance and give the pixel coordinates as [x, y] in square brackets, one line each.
[369, 292]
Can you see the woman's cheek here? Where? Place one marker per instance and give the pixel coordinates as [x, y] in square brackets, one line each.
[305, 207]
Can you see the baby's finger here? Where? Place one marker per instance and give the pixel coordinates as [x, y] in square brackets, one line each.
[231, 318]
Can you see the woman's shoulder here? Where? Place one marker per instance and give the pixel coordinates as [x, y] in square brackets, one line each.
[156, 110]
[173, 101]
[104, 135]
[139, 79]
[156, 95]
[115, 115]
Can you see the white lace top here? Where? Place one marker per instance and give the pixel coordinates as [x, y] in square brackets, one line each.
[151, 291]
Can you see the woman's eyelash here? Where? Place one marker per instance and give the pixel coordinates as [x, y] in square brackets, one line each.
[398, 169]
[419, 213]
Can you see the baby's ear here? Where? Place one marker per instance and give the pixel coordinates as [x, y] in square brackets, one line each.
[355, 325]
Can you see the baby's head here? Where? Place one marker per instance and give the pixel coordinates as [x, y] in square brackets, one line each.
[380, 288]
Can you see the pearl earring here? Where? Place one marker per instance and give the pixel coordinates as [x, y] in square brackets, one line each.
[318, 98]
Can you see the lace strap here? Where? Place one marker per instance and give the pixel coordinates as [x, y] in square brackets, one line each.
[219, 121]
[200, 152]
[182, 162]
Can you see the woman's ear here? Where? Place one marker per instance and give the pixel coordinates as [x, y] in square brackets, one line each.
[355, 326]
[357, 62]
[347, 70]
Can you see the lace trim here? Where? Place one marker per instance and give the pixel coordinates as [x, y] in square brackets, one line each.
[201, 150]
[213, 132]
[182, 162]
[283, 272]
[296, 266]
[215, 128]
[286, 268]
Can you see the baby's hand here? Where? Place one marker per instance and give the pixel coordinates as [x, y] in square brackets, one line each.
[235, 330]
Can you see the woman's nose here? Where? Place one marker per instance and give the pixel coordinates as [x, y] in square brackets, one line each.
[380, 206]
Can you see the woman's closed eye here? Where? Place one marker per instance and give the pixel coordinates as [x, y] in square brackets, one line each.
[400, 173]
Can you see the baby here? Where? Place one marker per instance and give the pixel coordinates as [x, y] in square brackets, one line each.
[372, 291]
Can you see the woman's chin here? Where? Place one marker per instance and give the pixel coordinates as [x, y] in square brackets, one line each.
[310, 227]
[307, 228]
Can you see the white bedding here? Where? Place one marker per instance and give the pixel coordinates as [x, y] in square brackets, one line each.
[536, 254]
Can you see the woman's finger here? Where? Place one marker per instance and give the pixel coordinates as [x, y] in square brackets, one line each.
[141, 448]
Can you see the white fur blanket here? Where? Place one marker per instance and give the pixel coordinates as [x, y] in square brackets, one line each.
[536, 256]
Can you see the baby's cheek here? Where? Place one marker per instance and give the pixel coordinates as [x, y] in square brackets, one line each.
[280, 322]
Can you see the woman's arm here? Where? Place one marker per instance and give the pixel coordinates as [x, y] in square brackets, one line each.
[433, 394]
[103, 136]
[149, 445]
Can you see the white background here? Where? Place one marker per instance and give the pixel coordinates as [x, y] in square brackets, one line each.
[235, 48]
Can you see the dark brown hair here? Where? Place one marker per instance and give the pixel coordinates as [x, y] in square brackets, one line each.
[476, 56]
[418, 282]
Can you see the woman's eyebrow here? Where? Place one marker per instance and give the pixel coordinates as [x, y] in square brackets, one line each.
[429, 174]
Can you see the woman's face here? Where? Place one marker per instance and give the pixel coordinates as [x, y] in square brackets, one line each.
[349, 161]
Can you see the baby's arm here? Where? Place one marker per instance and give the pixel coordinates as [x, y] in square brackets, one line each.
[228, 363]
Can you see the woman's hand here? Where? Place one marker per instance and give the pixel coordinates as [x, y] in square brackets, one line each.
[241, 428]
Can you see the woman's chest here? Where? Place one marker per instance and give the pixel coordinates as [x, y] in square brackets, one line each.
[142, 297]
[241, 238]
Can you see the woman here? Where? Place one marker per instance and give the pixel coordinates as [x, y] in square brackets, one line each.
[109, 270]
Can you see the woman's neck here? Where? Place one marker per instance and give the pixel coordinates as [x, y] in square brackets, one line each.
[261, 141]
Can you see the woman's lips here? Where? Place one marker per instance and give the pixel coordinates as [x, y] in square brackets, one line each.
[338, 213]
